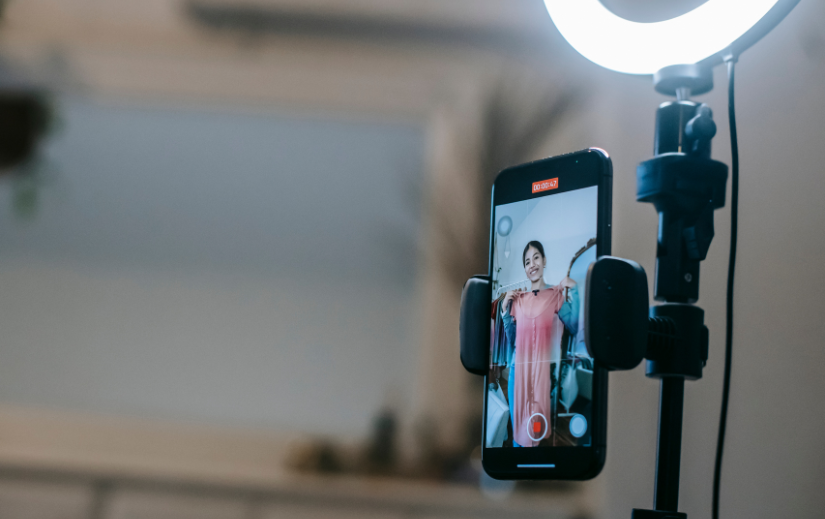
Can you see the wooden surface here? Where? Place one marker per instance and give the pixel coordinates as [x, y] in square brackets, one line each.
[62, 464]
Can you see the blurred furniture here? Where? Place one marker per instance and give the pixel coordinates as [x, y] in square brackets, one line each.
[70, 466]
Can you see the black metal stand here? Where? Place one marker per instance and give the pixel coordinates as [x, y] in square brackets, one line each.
[668, 449]
[686, 186]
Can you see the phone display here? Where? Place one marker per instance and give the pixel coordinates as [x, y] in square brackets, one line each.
[544, 405]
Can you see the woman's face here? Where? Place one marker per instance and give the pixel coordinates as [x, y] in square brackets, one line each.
[534, 264]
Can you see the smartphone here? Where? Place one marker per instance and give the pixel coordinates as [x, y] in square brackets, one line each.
[545, 404]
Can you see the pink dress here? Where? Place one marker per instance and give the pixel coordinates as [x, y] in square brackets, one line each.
[538, 343]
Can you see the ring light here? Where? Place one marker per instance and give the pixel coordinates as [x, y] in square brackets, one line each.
[644, 48]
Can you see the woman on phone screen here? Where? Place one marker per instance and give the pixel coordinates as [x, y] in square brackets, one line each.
[533, 323]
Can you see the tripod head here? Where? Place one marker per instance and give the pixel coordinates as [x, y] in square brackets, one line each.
[683, 183]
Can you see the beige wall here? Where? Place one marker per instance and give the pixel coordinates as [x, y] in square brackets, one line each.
[774, 463]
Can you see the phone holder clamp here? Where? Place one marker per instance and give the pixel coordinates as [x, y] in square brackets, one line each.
[620, 329]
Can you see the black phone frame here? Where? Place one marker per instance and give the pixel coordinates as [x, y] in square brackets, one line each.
[585, 168]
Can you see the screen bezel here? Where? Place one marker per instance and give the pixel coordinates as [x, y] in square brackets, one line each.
[591, 167]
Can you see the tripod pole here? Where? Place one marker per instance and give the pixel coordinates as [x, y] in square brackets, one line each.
[669, 445]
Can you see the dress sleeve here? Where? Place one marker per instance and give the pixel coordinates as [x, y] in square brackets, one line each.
[509, 322]
[513, 305]
[569, 311]
[509, 325]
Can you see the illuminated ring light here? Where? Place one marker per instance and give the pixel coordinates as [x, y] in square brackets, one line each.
[528, 426]
[697, 36]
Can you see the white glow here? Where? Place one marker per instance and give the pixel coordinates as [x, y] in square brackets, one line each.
[643, 48]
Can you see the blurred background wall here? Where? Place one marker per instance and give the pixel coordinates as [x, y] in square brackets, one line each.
[230, 271]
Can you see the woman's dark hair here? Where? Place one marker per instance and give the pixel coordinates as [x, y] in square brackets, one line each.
[536, 245]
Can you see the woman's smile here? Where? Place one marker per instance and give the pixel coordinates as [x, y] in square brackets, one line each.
[534, 262]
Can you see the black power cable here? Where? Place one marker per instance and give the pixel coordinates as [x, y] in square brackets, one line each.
[734, 222]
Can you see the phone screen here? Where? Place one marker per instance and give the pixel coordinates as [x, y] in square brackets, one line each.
[540, 382]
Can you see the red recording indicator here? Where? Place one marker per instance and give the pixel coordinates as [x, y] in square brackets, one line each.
[545, 185]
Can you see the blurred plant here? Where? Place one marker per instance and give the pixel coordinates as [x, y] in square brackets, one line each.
[319, 455]
[381, 453]
[378, 456]
[26, 116]
[26, 182]
[519, 115]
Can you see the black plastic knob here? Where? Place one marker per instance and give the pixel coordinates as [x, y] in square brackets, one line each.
[701, 127]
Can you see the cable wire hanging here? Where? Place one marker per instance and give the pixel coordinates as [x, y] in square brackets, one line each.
[734, 223]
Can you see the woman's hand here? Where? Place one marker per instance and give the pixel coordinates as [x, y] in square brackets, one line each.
[508, 298]
[567, 282]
